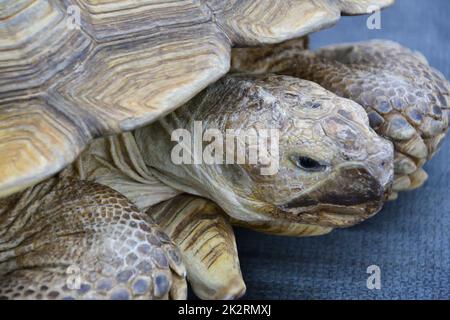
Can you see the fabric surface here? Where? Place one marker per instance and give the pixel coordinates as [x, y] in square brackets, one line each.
[409, 239]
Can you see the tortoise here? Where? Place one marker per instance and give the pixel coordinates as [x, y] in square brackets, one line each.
[122, 220]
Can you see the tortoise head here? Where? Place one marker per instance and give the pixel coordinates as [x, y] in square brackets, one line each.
[327, 166]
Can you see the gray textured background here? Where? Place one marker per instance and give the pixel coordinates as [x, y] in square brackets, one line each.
[409, 239]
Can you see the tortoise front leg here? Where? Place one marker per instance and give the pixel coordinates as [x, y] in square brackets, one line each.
[207, 244]
[78, 239]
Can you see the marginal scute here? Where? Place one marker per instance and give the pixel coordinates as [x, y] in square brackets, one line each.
[32, 138]
[254, 22]
[362, 6]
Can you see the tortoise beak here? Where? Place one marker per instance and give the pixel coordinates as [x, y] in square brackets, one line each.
[352, 193]
[352, 186]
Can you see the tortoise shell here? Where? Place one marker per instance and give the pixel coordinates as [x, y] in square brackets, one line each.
[74, 70]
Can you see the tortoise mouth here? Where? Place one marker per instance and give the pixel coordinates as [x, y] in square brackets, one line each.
[326, 215]
[349, 196]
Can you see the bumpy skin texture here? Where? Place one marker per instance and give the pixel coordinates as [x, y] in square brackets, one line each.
[407, 101]
[69, 239]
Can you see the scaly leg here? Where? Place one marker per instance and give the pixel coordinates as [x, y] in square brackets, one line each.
[65, 239]
[207, 244]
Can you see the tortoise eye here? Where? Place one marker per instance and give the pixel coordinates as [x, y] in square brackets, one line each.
[309, 164]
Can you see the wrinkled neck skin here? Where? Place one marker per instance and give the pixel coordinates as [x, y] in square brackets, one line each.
[205, 180]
